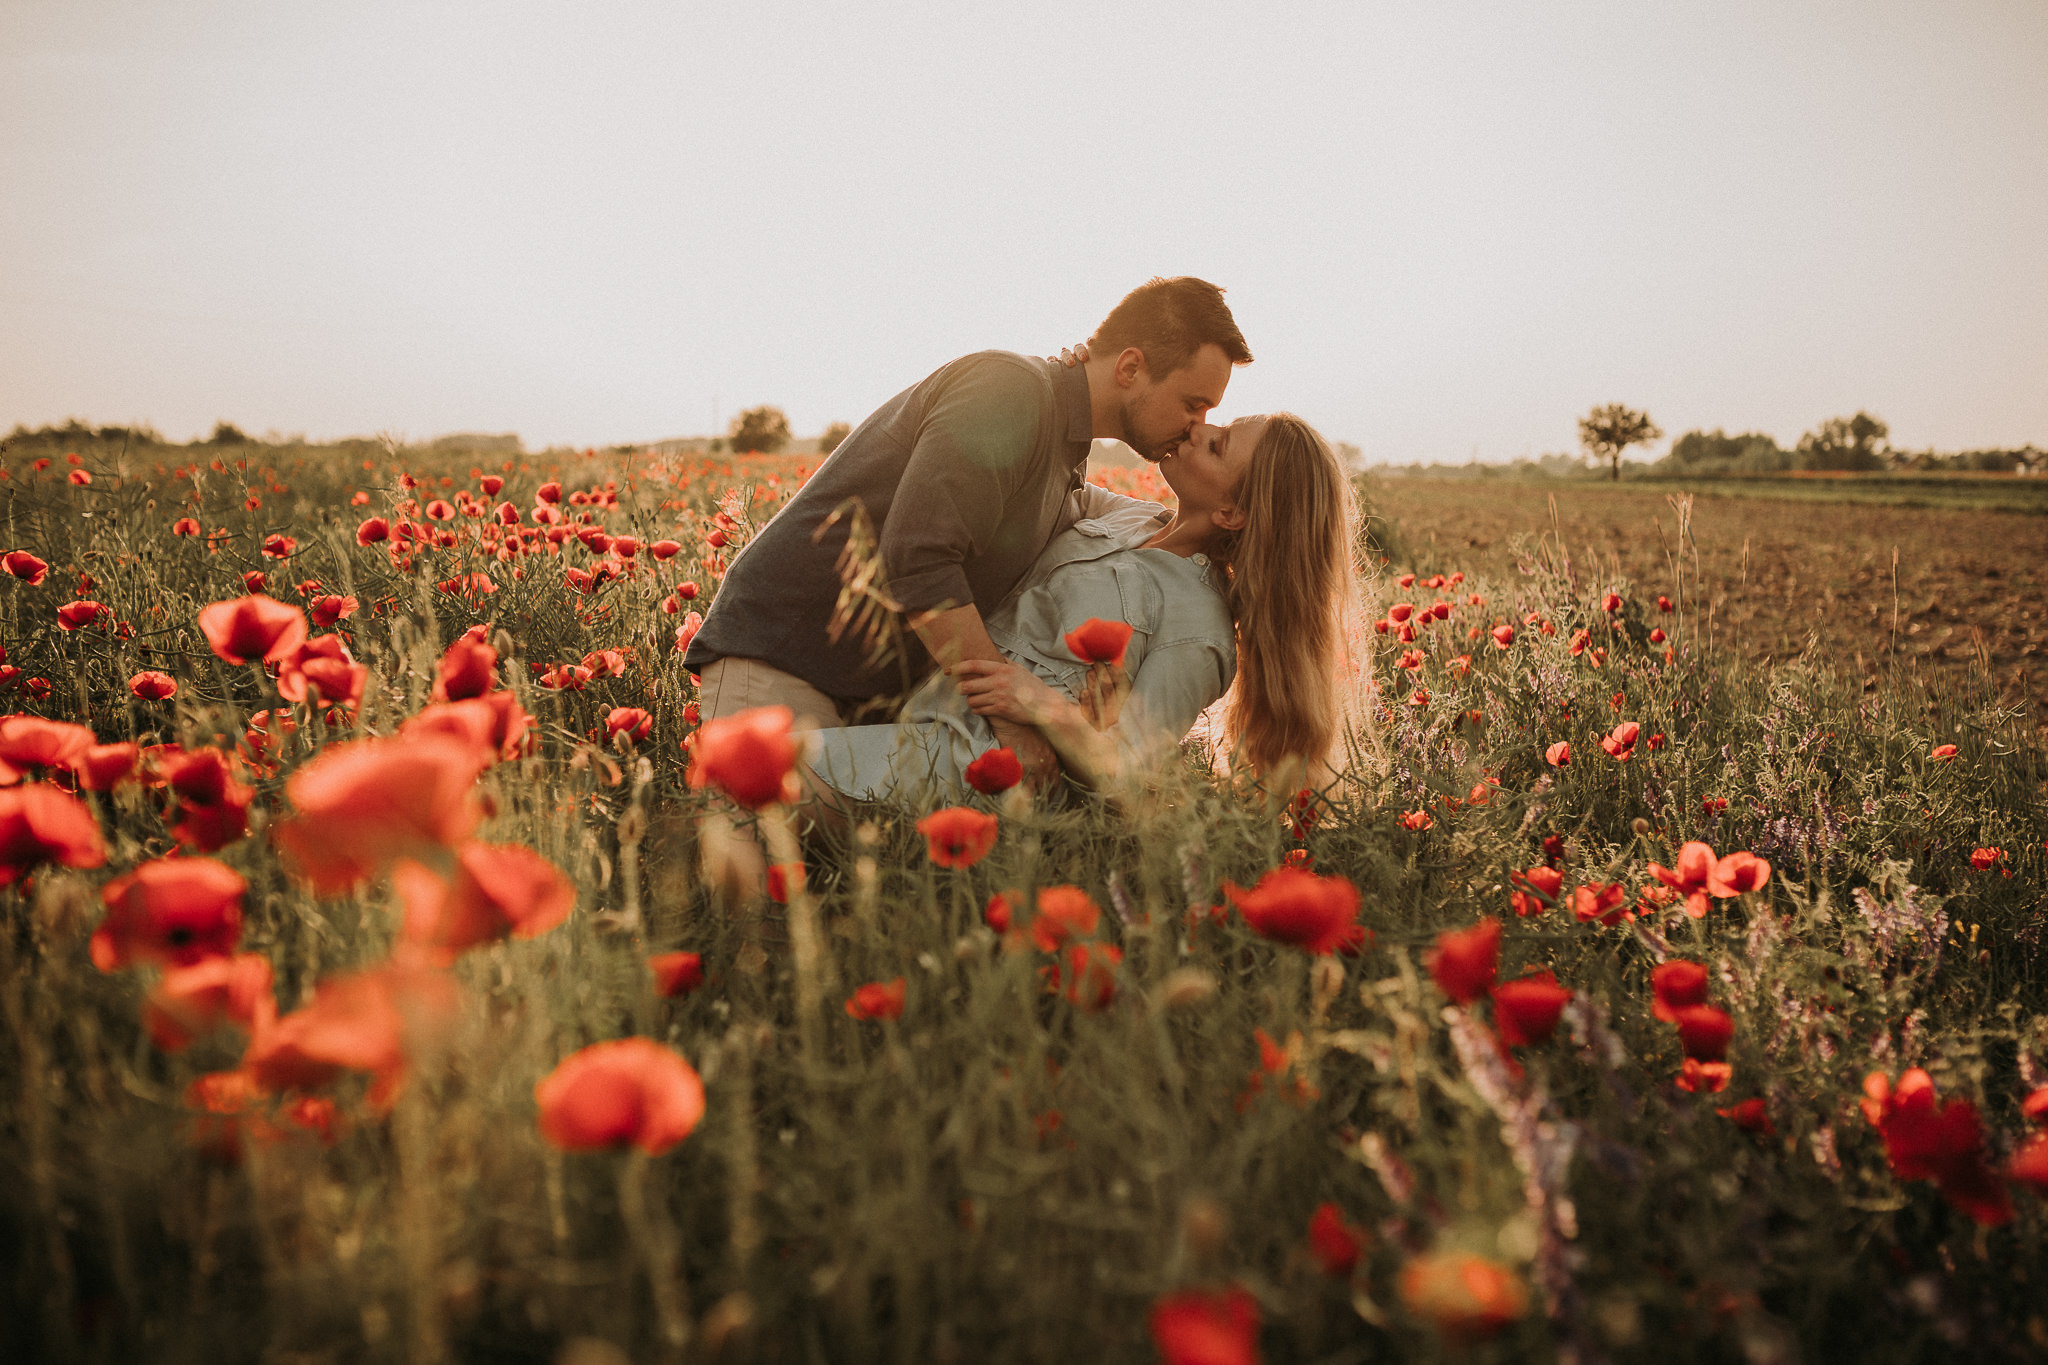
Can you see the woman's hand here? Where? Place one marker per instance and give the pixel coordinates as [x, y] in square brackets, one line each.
[1004, 691]
[1077, 354]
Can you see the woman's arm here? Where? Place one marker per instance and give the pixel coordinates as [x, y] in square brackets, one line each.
[1011, 692]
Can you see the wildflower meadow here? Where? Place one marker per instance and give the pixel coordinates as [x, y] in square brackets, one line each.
[395, 968]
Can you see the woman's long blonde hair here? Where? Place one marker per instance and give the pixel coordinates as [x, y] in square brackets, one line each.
[1291, 583]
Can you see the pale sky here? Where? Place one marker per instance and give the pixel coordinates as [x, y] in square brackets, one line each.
[1445, 228]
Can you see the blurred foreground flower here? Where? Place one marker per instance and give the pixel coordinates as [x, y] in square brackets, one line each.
[1206, 1328]
[174, 911]
[254, 627]
[497, 891]
[1467, 1298]
[363, 804]
[1335, 1242]
[1944, 1144]
[877, 1000]
[958, 836]
[39, 824]
[749, 756]
[676, 973]
[370, 1021]
[1097, 641]
[1465, 961]
[1316, 914]
[995, 771]
[628, 1092]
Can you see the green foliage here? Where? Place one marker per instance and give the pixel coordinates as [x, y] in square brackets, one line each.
[1001, 1175]
[833, 435]
[763, 429]
[1608, 431]
[1717, 452]
[1845, 443]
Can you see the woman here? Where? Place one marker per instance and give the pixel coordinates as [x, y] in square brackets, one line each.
[1243, 582]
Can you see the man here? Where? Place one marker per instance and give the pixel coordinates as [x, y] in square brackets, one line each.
[963, 479]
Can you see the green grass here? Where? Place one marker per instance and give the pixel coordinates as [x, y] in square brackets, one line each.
[1000, 1175]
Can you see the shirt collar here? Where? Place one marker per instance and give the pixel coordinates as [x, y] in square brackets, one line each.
[1070, 400]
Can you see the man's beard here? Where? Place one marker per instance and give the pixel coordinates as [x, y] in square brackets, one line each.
[1130, 437]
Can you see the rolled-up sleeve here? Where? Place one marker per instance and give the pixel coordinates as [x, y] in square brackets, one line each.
[978, 444]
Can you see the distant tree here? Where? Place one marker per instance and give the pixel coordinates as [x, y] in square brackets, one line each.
[227, 434]
[1852, 443]
[1607, 431]
[1717, 452]
[764, 429]
[834, 434]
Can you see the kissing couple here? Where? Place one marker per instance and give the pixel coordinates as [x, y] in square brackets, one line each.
[994, 549]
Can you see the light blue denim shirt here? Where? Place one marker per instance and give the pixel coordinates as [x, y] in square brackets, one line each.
[1181, 658]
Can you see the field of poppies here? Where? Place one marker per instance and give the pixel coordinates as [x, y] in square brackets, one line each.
[389, 972]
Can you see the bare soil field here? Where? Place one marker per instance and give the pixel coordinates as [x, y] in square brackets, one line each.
[1864, 586]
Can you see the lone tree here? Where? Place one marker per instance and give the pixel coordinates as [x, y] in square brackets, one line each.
[834, 434]
[1608, 431]
[764, 429]
[1852, 443]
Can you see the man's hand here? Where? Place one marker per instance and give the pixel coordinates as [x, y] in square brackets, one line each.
[1002, 690]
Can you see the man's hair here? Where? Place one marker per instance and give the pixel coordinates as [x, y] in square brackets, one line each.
[1170, 320]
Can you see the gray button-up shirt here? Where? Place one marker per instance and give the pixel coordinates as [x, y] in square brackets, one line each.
[966, 477]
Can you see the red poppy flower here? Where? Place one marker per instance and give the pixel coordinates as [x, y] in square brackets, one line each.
[2035, 1106]
[995, 771]
[184, 526]
[1620, 743]
[1064, 913]
[372, 531]
[1400, 612]
[232, 1108]
[877, 1000]
[1526, 1010]
[1559, 755]
[1676, 985]
[1204, 1328]
[1087, 975]
[322, 663]
[1334, 1241]
[364, 1021]
[1664, 604]
[1695, 865]
[550, 491]
[25, 566]
[1750, 1116]
[631, 721]
[1941, 753]
[39, 824]
[1416, 820]
[1598, 901]
[364, 803]
[958, 836]
[2029, 1164]
[1984, 859]
[103, 765]
[1696, 1077]
[175, 911]
[493, 725]
[1465, 1297]
[252, 628]
[1944, 1144]
[330, 608]
[1465, 961]
[1737, 874]
[1536, 889]
[192, 1001]
[280, 547]
[676, 973]
[1097, 641]
[1611, 602]
[1289, 905]
[497, 891]
[749, 756]
[32, 742]
[1704, 1032]
[79, 615]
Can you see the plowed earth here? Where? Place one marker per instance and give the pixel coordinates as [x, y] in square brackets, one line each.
[1863, 587]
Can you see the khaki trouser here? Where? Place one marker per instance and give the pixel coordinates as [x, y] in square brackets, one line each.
[728, 686]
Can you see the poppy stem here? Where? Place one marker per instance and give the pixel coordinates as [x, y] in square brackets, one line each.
[654, 1243]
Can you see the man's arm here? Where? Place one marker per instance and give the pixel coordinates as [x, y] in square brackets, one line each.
[959, 633]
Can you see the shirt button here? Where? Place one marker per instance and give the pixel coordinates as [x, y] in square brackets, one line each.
[1200, 559]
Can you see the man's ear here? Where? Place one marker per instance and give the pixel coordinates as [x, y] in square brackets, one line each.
[1130, 367]
[1229, 518]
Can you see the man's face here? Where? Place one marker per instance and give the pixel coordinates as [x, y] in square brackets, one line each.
[1159, 413]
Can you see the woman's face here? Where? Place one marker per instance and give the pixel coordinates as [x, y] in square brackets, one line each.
[1206, 470]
